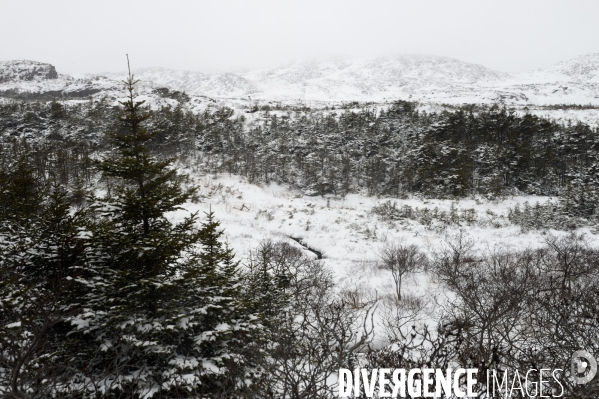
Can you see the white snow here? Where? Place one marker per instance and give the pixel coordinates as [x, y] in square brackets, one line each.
[331, 81]
[346, 231]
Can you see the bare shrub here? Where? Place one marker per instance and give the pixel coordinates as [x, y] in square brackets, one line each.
[316, 332]
[401, 260]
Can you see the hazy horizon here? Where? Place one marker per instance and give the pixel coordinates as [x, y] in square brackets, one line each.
[81, 37]
[303, 60]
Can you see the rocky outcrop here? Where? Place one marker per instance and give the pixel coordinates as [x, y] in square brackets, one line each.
[22, 70]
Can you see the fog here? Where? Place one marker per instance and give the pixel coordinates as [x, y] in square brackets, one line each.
[85, 36]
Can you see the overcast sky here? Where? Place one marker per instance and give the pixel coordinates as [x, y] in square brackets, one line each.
[93, 36]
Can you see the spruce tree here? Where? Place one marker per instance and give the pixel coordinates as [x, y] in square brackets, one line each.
[162, 313]
[41, 241]
[147, 189]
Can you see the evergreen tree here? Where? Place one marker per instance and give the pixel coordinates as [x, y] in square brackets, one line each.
[41, 241]
[161, 311]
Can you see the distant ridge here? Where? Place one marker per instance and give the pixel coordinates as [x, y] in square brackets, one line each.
[329, 78]
[584, 68]
[424, 78]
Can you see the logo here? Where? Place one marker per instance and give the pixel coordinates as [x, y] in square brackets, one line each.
[402, 383]
[584, 367]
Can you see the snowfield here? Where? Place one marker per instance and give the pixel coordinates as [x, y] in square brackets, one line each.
[347, 232]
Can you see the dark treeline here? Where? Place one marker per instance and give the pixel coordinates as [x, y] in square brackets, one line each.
[486, 151]
[473, 150]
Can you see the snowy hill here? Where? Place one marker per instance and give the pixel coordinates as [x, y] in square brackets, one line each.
[192, 82]
[345, 78]
[584, 68]
[22, 70]
[574, 81]
[412, 77]
[333, 79]
[428, 79]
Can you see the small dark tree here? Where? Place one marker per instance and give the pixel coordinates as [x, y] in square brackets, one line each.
[401, 260]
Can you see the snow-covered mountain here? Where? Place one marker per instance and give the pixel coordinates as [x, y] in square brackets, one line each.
[414, 77]
[583, 69]
[574, 81]
[345, 78]
[193, 82]
[333, 79]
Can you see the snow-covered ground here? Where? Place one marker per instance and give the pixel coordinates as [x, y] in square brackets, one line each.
[346, 231]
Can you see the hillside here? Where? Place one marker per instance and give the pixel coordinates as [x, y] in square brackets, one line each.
[381, 77]
[331, 79]
[584, 69]
[423, 78]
